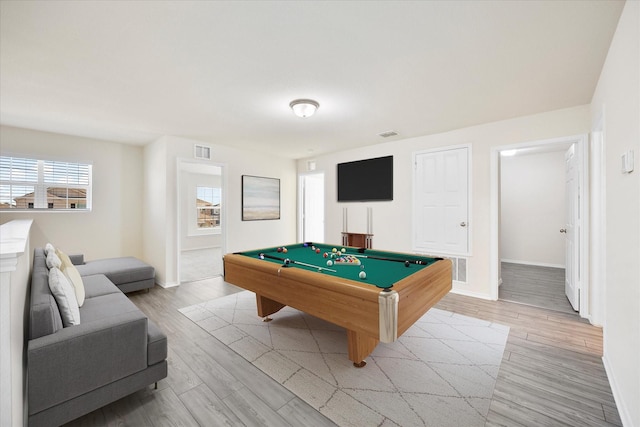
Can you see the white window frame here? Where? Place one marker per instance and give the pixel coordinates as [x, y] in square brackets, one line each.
[197, 230]
[41, 185]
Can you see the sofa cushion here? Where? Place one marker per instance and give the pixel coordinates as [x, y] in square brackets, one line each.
[119, 270]
[98, 284]
[44, 316]
[65, 296]
[74, 277]
[106, 306]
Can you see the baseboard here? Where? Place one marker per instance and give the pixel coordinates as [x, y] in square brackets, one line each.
[537, 264]
[471, 294]
[623, 411]
[167, 285]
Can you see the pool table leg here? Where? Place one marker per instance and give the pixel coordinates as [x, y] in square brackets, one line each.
[267, 306]
[359, 347]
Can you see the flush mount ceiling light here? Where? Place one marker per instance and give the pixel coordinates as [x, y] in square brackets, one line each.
[304, 107]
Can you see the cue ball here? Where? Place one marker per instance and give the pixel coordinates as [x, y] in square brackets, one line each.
[261, 256]
[362, 275]
[406, 263]
[329, 263]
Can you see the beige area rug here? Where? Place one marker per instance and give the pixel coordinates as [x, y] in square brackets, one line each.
[441, 372]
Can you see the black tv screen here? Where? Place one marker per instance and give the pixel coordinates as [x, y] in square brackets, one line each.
[366, 180]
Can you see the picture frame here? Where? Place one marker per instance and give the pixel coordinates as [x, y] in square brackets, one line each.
[260, 198]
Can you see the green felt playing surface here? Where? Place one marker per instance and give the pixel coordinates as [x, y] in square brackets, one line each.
[380, 273]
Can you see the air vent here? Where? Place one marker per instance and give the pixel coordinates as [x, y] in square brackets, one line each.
[202, 152]
[459, 270]
[388, 133]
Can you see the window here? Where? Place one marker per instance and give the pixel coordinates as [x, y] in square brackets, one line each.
[44, 184]
[208, 207]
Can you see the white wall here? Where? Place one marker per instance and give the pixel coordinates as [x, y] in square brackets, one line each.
[161, 232]
[392, 220]
[113, 227]
[617, 100]
[532, 191]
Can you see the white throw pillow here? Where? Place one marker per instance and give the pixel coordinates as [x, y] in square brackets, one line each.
[65, 296]
[48, 248]
[53, 260]
[73, 275]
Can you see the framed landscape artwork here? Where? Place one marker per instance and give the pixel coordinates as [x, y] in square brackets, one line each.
[260, 198]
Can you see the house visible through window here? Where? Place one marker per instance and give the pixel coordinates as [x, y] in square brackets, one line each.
[44, 184]
[208, 207]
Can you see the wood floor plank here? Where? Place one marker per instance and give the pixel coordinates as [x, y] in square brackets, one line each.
[207, 408]
[253, 411]
[164, 408]
[296, 412]
[524, 395]
[271, 392]
[182, 377]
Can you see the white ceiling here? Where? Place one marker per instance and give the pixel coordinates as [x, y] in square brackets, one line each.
[225, 72]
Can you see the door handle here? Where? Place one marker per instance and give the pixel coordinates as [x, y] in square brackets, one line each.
[563, 230]
[463, 224]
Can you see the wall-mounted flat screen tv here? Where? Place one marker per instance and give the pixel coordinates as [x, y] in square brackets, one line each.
[366, 180]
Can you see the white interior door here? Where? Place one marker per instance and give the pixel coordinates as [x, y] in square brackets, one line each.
[572, 232]
[312, 207]
[441, 201]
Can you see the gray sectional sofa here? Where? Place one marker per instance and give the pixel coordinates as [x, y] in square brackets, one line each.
[114, 351]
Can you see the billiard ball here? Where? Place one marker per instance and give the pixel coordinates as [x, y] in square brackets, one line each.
[329, 263]
[325, 255]
[343, 250]
[406, 263]
[317, 251]
[334, 250]
[279, 250]
[305, 244]
[285, 250]
[261, 256]
[287, 261]
[362, 275]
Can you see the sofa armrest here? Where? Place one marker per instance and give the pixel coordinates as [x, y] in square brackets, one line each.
[77, 259]
[78, 359]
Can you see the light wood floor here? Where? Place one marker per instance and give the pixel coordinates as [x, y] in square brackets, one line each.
[551, 373]
[534, 285]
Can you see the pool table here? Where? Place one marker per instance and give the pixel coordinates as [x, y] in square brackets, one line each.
[397, 290]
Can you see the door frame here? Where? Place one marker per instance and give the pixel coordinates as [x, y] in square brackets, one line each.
[182, 164]
[582, 149]
[301, 200]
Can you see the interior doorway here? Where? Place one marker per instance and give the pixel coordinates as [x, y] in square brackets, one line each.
[530, 248]
[201, 220]
[311, 207]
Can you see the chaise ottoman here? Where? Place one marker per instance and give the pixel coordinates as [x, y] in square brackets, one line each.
[127, 273]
